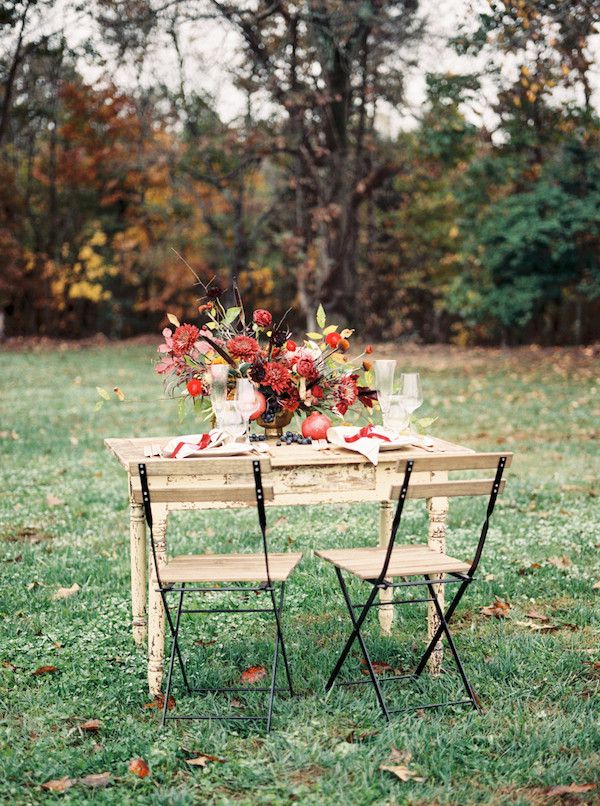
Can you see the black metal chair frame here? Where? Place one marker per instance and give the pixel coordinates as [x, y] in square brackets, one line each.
[174, 624]
[381, 583]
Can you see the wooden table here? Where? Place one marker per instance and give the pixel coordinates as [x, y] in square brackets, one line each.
[301, 475]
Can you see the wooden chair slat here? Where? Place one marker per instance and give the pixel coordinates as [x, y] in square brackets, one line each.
[366, 563]
[203, 466]
[162, 493]
[229, 568]
[472, 461]
[447, 489]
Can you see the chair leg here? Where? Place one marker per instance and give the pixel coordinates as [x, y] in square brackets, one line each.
[278, 612]
[362, 644]
[174, 651]
[444, 624]
[172, 631]
[440, 630]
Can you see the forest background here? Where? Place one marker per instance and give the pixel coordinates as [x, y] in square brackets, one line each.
[468, 211]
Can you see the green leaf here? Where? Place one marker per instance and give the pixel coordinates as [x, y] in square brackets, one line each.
[99, 404]
[231, 314]
[103, 393]
[315, 336]
[330, 329]
[321, 316]
[425, 422]
[181, 409]
[212, 325]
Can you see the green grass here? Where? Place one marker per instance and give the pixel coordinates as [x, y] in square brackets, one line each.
[540, 726]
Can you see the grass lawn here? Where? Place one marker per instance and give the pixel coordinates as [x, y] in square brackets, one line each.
[63, 520]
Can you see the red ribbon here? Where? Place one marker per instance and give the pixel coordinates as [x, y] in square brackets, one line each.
[367, 431]
[204, 442]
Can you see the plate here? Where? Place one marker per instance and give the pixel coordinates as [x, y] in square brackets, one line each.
[337, 436]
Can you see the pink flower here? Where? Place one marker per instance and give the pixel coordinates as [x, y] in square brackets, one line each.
[184, 339]
[262, 318]
[306, 368]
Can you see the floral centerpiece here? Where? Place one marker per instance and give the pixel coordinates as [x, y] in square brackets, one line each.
[315, 375]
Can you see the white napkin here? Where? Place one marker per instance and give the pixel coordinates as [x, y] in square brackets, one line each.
[367, 445]
[192, 444]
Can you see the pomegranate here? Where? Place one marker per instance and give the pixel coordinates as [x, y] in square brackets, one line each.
[261, 405]
[316, 425]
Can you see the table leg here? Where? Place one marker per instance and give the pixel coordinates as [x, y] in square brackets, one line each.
[386, 613]
[156, 612]
[438, 511]
[137, 548]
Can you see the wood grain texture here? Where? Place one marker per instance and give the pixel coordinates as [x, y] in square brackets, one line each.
[367, 563]
[229, 568]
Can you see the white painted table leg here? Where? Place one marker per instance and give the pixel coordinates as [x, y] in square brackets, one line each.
[386, 613]
[438, 511]
[138, 555]
[156, 613]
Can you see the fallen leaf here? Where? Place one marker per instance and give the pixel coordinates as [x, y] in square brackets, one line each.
[596, 586]
[402, 772]
[139, 767]
[65, 593]
[533, 613]
[95, 781]
[400, 756]
[379, 667]
[58, 784]
[91, 726]
[8, 665]
[16, 559]
[53, 501]
[159, 701]
[202, 759]
[203, 642]
[45, 670]
[560, 562]
[499, 609]
[569, 789]
[253, 674]
[32, 585]
[532, 567]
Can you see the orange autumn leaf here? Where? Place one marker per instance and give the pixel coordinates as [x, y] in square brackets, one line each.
[159, 702]
[45, 670]
[58, 784]
[139, 767]
[499, 608]
[253, 674]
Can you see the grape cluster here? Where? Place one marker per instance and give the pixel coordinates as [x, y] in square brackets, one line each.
[257, 437]
[271, 411]
[289, 437]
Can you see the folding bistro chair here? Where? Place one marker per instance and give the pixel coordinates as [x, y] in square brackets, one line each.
[217, 573]
[379, 566]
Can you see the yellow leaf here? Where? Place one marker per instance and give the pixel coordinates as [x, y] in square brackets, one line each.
[346, 332]
[315, 336]
[330, 329]
[339, 358]
[173, 319]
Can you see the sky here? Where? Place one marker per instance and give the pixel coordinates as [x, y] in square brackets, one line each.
[207, 62]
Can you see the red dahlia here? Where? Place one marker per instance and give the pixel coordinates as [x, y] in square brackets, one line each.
[276, 376]
[345, 393]
[184, 338]
[243, 347]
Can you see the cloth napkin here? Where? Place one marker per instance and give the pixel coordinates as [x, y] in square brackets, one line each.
[365, 440]
[192, 444]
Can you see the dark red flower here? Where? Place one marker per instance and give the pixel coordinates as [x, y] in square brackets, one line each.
[316, 391]
[257, 371]
[262, 318]
[184, 338]
[345, 393]
[291, 346]
[291, 400]
[306, 368]
[245, 348]
[277, 376]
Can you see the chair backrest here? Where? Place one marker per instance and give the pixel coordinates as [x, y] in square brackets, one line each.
[228, 481]
[447, 488]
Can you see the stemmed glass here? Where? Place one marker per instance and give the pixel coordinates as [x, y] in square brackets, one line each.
[397, 417]
[245, 401]
[410, 391]
[218, 388]
[384, 382]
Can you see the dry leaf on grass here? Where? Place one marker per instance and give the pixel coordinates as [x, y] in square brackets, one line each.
[533, 613]
[6, 664]
[569, 789]
[53, 501]
[379, 667]
[402, 772]
[65, 593]
[95, 781]
[91, 725]
[499, 608]
[560, 562]
[139, 767]
[596, 586]
[45, 670]
[202, 759]
[58, 784]
[159, 701]
[253, 674]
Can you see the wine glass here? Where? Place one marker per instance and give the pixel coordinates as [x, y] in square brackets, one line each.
[246, 402]
[397, 417]
[384, 382]
[218, 387]
[229, 421]
[410, 391]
